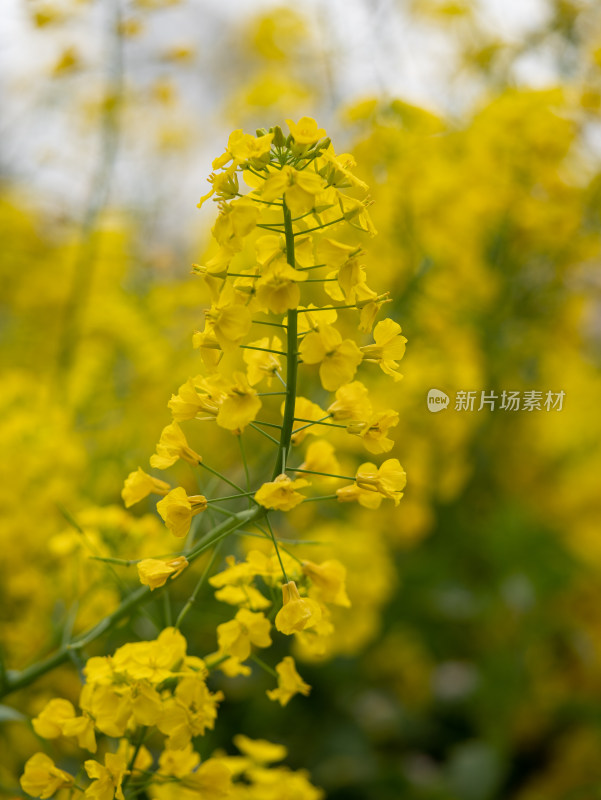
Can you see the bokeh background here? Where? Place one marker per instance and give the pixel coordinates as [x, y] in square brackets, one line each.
[469, 667]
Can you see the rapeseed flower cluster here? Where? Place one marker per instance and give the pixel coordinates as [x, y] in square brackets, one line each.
[286, 257]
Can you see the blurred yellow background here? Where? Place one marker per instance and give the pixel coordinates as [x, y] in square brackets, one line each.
[469, 667]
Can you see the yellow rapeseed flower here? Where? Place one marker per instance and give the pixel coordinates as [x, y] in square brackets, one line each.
[49, 722]
[177, 510]
[321, 457]
[297, 613]
[260, 750]
[173, 445]
[389, 479]
[140, 484]
[211, 781]
[107, 779]
[189, 712]
[240, 405]
[281, 493]
[299, 188]
[374, 430]
[305, 131]
[227, 319]
[196, 398]
[42, 778]
[277, 288]
[352, 402]
[388, 347]
[243, 146]
[261, 364]
[237, 636]
[329, 578]
[154, 572]
[289, 682]
[58, 718]
[338, 359]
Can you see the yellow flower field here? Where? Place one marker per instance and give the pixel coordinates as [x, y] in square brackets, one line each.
[300, 431]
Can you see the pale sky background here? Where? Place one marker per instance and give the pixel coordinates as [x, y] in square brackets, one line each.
[377, 49]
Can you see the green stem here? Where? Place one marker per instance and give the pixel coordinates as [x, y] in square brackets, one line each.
[271, 324]
[263, 665]
[279, 541]
[263, 349]
[244, 462]
[14, 680]
[230, 497]
[319, 422]
[319, 227]
[269, 227]
[322, 308]
[325, 474]
[265, 434]
[192, 599]
[291, 359]
[132, 761]
[223, 478]
[122, 562]
[277, 549]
